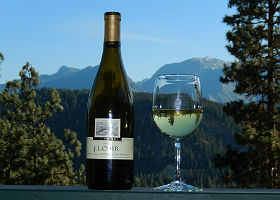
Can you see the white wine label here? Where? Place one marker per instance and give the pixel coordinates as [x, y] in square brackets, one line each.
[107, 127]
[106, 149]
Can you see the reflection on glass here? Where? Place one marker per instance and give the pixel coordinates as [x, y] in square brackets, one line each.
[177, 112]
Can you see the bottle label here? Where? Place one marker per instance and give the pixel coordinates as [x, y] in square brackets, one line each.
[107, 127]
[110, 149]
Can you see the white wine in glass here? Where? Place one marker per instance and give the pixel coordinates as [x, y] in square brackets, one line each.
[177, 112]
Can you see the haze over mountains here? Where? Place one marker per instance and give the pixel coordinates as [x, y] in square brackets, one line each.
[209, 70]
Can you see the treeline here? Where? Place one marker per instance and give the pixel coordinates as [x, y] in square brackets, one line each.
[154, 151]
[30, 153]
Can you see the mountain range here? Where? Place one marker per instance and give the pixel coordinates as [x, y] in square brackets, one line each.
[209, 70]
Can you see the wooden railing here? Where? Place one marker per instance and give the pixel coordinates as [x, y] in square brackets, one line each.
[30, 192]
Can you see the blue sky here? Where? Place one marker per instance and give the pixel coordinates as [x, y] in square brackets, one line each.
[52, 33]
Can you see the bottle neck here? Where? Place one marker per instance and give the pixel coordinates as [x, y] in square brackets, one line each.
[112, 29]
[115, 44]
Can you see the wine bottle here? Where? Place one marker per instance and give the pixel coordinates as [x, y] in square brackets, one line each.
[110, 118]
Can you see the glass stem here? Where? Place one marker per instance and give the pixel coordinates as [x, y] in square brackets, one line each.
[177, 176]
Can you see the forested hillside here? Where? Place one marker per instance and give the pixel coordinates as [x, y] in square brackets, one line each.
[154, 151]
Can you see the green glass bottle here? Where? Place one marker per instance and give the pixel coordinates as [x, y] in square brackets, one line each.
[110, 118]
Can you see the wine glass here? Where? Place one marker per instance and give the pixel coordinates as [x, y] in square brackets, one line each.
[177, 112]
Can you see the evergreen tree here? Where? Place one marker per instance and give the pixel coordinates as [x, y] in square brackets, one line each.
[1, 57]
[254, 39]
[29, 152]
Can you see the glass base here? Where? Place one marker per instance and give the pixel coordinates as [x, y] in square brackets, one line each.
[177, 186]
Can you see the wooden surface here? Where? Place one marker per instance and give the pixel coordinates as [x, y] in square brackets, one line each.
[29, 192]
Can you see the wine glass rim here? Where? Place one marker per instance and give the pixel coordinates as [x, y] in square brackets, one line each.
[178, 76]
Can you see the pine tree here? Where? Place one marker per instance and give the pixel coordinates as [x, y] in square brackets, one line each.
[254, 39]
[29, 152]
[1, 57]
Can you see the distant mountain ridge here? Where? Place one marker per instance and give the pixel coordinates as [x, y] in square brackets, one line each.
[209, 69]
[73, 78]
